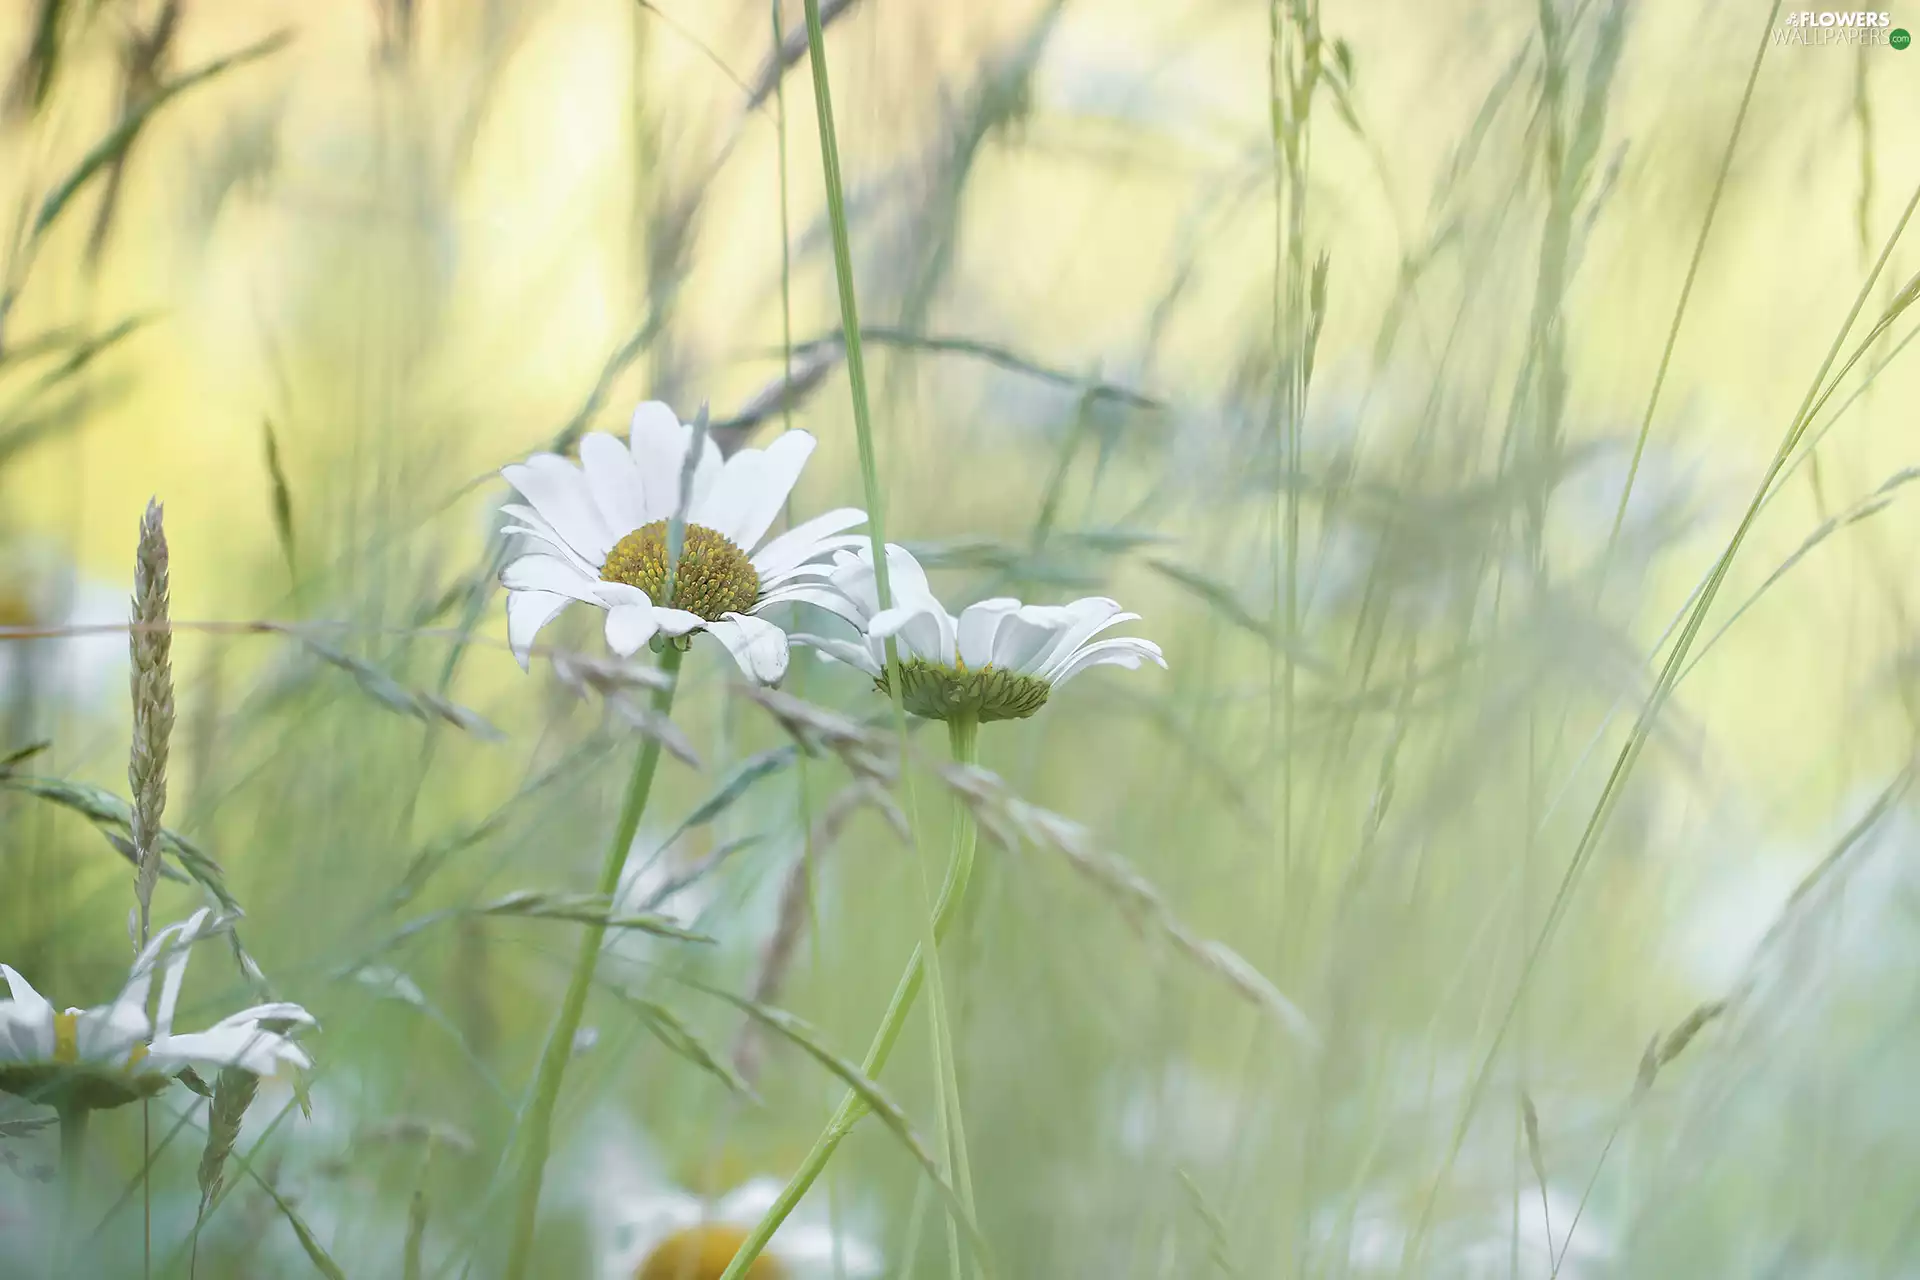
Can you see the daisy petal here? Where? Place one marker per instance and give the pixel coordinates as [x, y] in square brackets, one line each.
[24, 996]
[527, 613]
[1097, 616]
[245, 1046]
[780, 468]
[756, 644]
[176, 941]
[614, 482]
[816, 569]
[973, 634]
[659, 445]
[798, 545]
[537, 572]
[23, 1037]
[1124, 652]
[820, 597]
[817, 1247]
[1027, 635]
[733, 496]
[678, 622]
[918, 630]
[747, 1203]
[611, 595]
[705, 476]
[26, 1021]
[532, 526]
[276, 1010]
[109, 1033]
[905, 576]
[629, 626]
[831, 650]
[559, 493]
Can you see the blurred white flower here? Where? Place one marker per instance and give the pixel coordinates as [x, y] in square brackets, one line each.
[1190, 1117]
[40, 591]
[999, 660]
[651, 882]
[651, 1229]
[601, 534]
[111, 1055]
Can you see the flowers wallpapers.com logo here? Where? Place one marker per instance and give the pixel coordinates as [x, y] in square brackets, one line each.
[1808, 27]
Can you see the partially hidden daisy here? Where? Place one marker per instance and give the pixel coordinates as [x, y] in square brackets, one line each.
[670, 1234]
[599, 529]
[999, 660]
[110, 1055]
[40, 590]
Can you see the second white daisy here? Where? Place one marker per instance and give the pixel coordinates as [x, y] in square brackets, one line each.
[999, 660]
[600, 535]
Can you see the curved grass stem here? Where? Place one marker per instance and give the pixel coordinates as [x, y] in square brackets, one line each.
[925, 963]
[963, 735]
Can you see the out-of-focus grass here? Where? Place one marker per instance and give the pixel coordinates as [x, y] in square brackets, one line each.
[421, 240]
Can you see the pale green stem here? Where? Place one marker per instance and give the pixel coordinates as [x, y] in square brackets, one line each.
[559, 1050]
[925, 964]
[66, 1235]
[963, 733]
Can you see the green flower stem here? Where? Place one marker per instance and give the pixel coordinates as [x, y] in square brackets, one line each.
[73, 1140]
[559, 1050]
[963, 733]
[926, 958]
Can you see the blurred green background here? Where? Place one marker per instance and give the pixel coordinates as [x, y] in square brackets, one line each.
[1412, 624]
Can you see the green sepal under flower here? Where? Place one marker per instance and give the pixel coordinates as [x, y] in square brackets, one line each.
[937, 692]
[82, 1086]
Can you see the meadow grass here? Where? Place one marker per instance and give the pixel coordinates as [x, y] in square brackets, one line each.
[1498, 415]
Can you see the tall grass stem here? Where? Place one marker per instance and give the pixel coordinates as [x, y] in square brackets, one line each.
[963, 735]
[925, 964]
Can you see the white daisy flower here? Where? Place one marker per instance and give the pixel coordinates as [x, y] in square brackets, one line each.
[999, 660]
[649, 1228]
[600, 530]
[41, 591]
[674, 1236]
[110, 1055]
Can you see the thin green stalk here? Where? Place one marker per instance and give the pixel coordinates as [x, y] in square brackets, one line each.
[925, 963]
[786, 421]
[786, 232]
[1686, 287]
[146, 1192]
[963, 734]
[66, 1235]
[850, 326]
[559, 1050]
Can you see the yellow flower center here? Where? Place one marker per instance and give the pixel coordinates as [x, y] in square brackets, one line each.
[714, 577]
[937, 692]
[702, 1253]
[16, 610]
[66, 1037]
